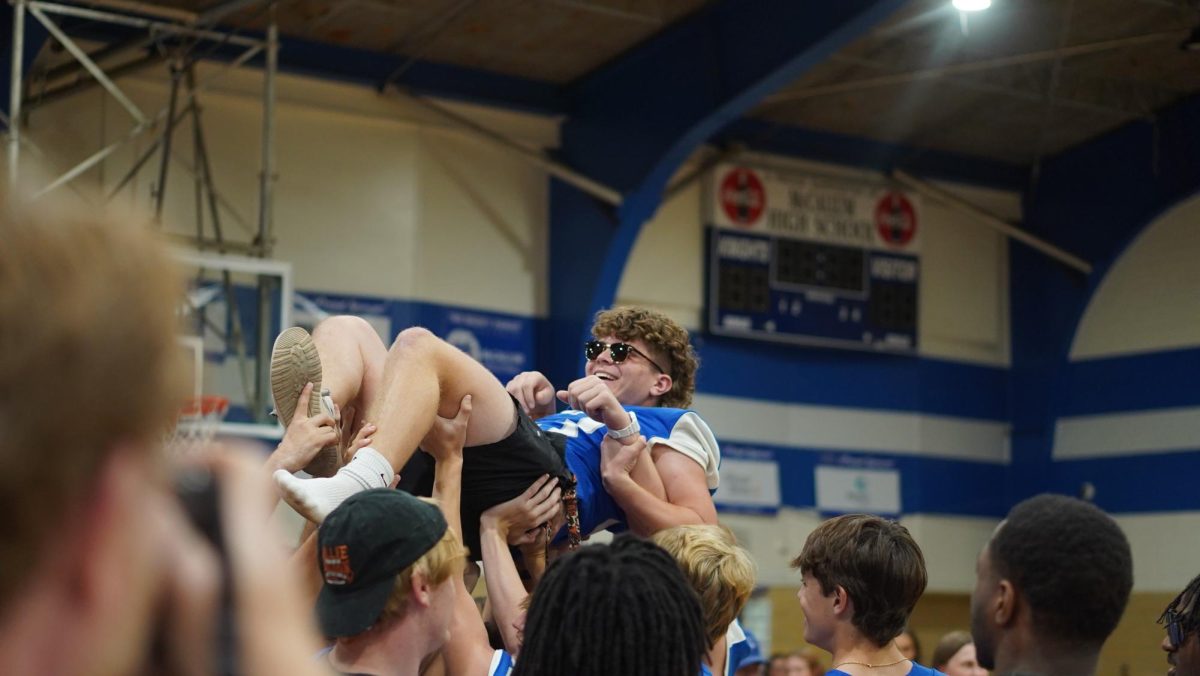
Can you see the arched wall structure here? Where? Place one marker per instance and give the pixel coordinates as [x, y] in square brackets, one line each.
[635, 121]
[1103, 384]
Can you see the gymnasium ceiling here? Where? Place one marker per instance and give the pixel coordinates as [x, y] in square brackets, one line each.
[1020, 81]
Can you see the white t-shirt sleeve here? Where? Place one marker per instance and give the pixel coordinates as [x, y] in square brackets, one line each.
[692, 437]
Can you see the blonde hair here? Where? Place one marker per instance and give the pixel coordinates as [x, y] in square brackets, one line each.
[721, 572]
[88, 361]
[447, 557]
[668, 343]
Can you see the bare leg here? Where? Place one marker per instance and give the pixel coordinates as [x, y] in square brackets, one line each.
[352, 358]
[424, 377]
[352, 362]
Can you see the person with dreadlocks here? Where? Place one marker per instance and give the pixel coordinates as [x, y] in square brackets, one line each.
[1182, 621]
[623, 608]
[640, 368]
[1051, 586]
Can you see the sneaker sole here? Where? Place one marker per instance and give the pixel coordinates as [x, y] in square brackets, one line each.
[295, 363]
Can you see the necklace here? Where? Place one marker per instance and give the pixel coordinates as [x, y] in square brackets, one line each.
[871, 666]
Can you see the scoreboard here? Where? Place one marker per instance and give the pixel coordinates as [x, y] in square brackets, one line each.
[815, 260]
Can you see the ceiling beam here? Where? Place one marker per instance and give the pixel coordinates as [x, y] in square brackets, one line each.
[147, 9]
[969, 67]
[218, 12]
[1013, 92]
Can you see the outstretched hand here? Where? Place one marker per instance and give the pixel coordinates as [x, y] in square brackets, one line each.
[445, 439]
[521, 518]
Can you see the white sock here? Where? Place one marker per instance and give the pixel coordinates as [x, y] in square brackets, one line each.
[316, 498]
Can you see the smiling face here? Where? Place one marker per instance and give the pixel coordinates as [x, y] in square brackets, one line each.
[818, 612]
[635, 381]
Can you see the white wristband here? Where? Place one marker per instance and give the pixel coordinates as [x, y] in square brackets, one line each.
[627, 431]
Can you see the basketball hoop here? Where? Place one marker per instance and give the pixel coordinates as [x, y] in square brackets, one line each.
[199, 418]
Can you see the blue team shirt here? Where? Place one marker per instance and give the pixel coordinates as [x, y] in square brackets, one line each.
[916, 670]
[739, 644]
[502, 664]
[597, 509]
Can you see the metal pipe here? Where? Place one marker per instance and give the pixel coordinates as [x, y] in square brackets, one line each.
[139, 129]
[137, 64]
[14, 92]
[72, 68]
[267, 175]
[169, 13]
[148, 24]
[168, 134]
[141, 160]
[214, 14]
[65, 91]
[1005, 228]
[969, 67]
[423, 38]
[95, 159]
[90, 65]
[702, 168]
[262, 374]
[212, 244]
[556, 169]
[1020, 94]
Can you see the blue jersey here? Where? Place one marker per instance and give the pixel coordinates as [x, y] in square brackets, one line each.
[679, 429]
[916, 670]
[741, 646]
[502, 664]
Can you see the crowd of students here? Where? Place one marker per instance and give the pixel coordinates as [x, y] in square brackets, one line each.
[101, 572]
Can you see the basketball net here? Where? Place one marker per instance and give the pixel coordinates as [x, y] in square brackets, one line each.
[199, 418]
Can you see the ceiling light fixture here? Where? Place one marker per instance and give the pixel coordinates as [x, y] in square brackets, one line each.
[971, 5]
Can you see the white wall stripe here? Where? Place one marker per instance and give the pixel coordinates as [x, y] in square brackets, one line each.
[1121, 434]
[835, 428]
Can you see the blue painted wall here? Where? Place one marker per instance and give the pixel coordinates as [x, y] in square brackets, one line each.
[1094, 200]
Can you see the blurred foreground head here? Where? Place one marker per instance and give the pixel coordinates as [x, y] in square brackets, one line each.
[89, 378]
[624, 608]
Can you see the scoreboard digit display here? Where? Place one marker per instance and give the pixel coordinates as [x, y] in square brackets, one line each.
[812, 260]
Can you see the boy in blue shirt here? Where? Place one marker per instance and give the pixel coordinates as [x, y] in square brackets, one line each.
[862, 576]
[626, 453]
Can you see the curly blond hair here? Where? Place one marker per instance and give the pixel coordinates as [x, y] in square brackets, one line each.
[668, 343]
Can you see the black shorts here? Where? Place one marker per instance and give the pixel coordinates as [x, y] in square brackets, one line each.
[495, 473]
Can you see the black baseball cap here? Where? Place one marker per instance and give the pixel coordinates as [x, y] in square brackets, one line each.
[362, 546]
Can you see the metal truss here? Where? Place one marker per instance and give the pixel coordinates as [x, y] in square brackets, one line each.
[176, 34]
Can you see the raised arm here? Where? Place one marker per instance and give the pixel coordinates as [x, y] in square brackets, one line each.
[687, 500]
[467, 651]
[538, 504]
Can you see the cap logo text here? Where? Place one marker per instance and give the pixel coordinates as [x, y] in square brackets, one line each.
[335, 564]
